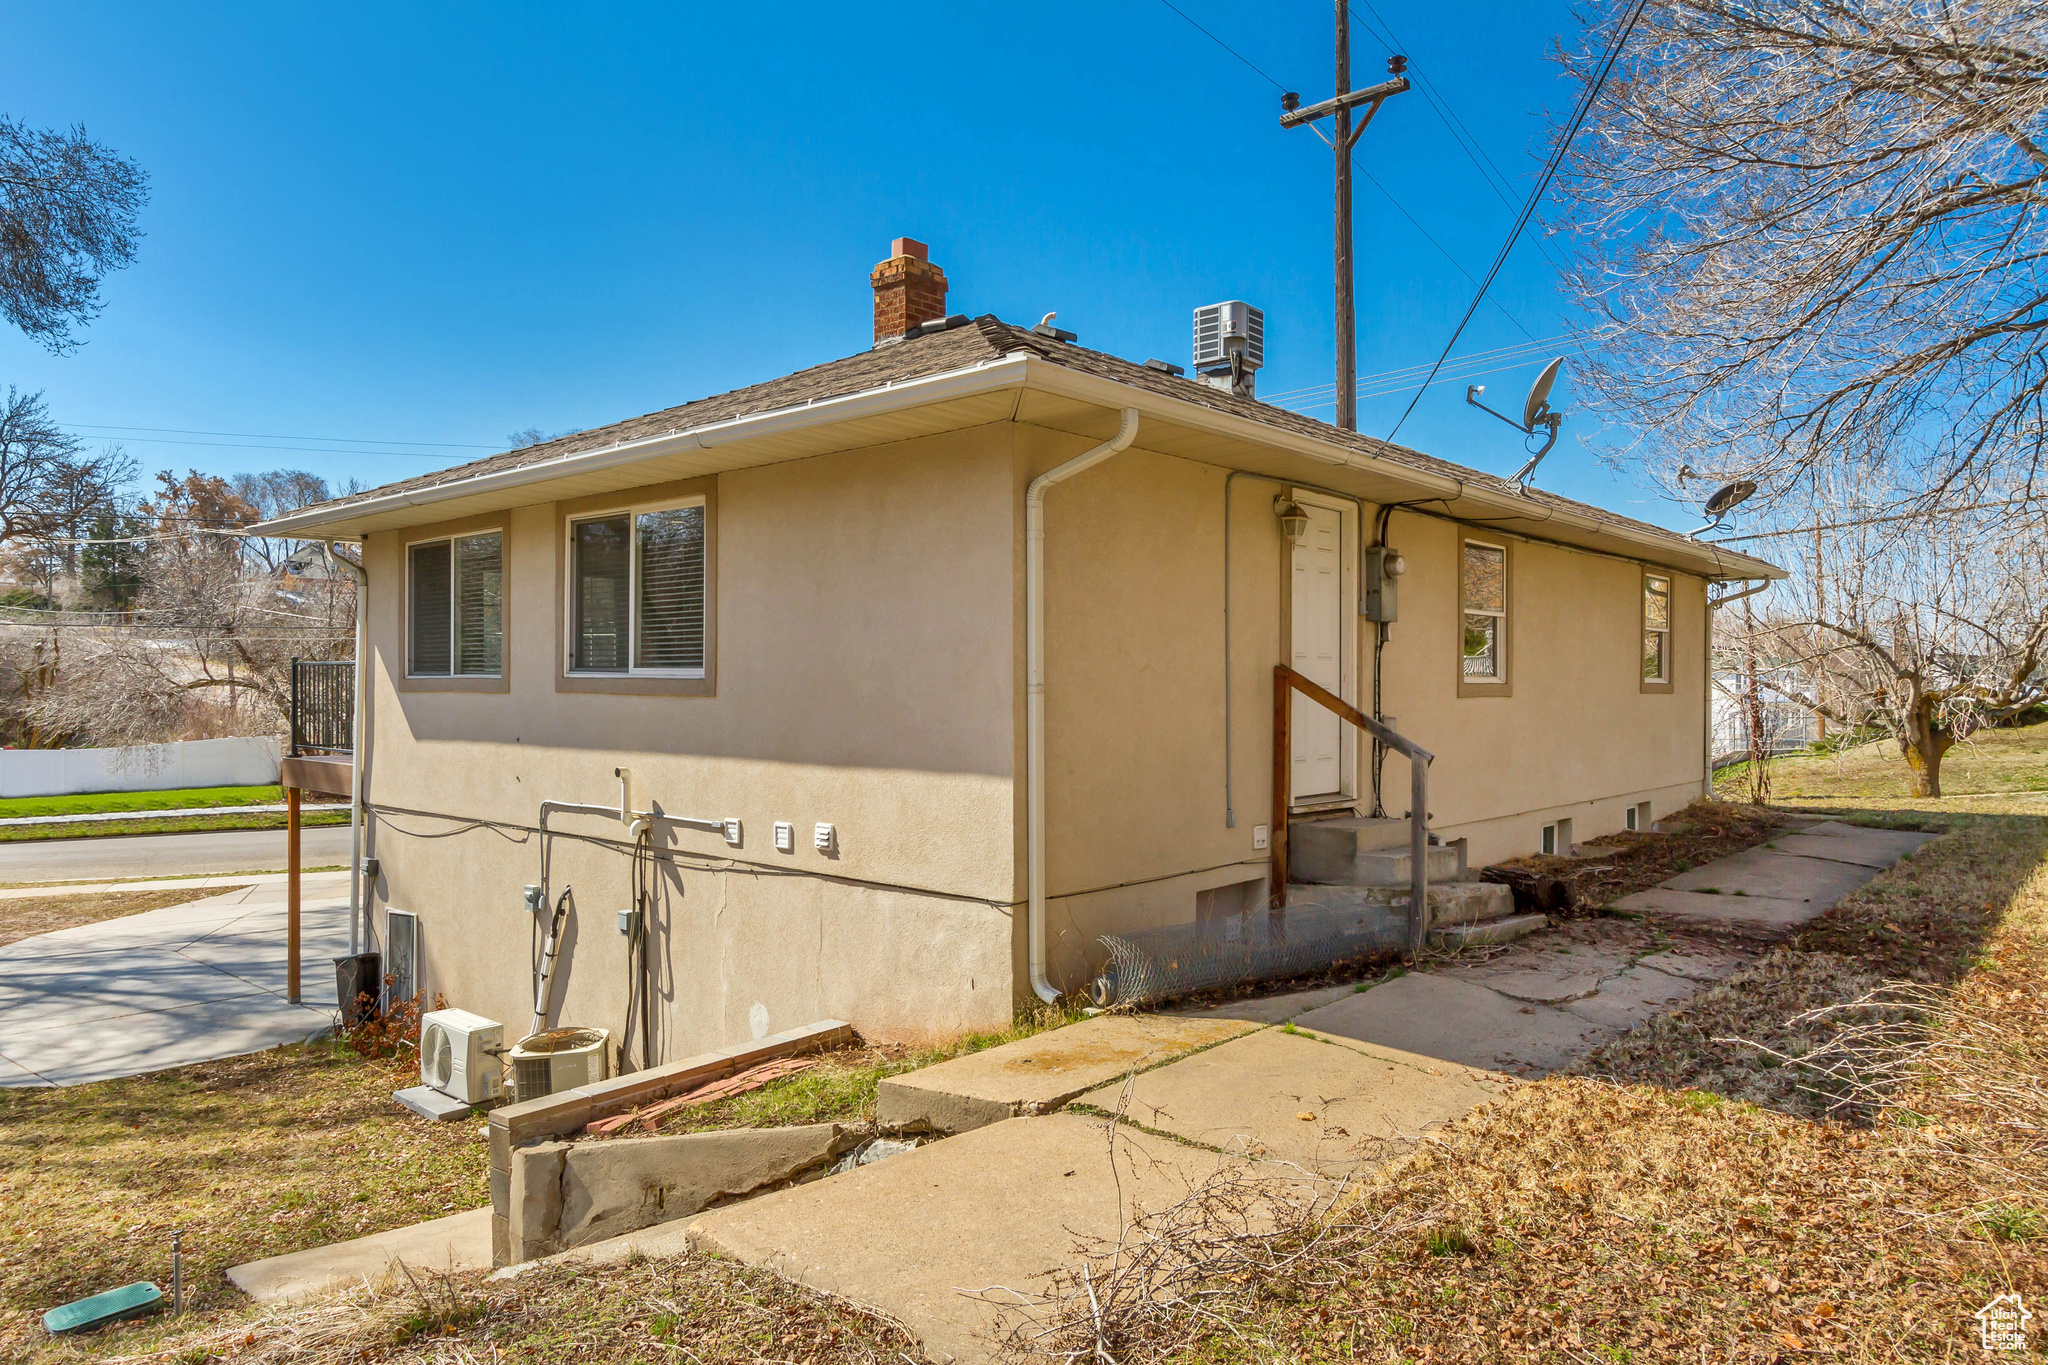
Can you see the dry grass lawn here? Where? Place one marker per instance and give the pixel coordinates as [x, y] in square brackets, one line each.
[252, 1157]
[26, 916]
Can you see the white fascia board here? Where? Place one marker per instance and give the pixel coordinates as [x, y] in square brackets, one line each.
[1107, 393]
[1002, 373]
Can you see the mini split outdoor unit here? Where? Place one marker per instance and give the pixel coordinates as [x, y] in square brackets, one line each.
[458, 1055]
[559, 1059]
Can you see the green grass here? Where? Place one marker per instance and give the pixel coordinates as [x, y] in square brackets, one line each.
[1989, 761]
[841, 1089]
[104, 803]
[182, 824]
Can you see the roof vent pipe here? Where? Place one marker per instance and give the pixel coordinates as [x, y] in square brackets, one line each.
[1034, 685]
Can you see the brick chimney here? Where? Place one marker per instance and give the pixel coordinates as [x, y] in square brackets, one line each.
[909, 290]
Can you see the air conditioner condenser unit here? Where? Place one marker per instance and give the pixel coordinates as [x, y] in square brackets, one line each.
[559, 1059]
[458, 1055]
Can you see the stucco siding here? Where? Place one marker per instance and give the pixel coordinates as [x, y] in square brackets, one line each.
[864, 680]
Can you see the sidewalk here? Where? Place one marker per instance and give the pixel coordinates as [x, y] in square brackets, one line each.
[1351, 1078]
[188, 983]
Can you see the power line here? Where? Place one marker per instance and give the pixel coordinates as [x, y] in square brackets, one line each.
[1220, 43]
[1534, 346]
[274, 436]
[1535, 197]
[1440, 105]
[284, 450]
[1389, 194]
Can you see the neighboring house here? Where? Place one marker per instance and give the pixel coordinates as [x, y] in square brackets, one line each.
[1785, 724]
[804, 604]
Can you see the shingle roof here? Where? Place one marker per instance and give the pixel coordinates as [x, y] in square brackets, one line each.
[981, 339]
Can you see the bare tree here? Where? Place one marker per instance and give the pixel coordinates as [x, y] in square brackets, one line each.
[211, 639]
[67, 218]
[1818, 225]
[48, 486]
[1928, 636]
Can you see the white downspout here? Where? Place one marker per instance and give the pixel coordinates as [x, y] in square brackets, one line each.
[358, 753]
[1034, 685]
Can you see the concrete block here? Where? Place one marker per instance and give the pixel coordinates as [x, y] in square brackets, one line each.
[1359, 852]
[614, 1187]
[1037, 1075]
[462, 1241]
[1487, 932]
[1449, 902]
[536, 1197]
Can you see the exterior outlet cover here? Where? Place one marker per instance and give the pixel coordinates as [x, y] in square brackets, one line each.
[732, 832]
[1261, 835]
[824, 838]
[785, 837]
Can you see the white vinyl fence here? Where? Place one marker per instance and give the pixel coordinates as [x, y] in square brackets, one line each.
[250, 762]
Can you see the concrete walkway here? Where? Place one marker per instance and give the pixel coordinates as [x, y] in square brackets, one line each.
[105, 857]
[95, 817]
[189, 983]
[1360, 1077]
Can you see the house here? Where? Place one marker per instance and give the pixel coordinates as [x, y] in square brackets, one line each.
[798, 621]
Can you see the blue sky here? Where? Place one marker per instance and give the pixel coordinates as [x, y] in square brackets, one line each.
[410, 230]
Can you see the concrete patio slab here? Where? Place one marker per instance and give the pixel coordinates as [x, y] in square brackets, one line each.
[1039, 1074]
[461, 1241]
[924, 1236]
[164, 988]
[1547, 973]
[1270, 1009]
[1694, 964]
[1329, 1107]
[1456, 1021]
[1633, 996]
[1784, 876]
[67, 1053]
[1753, 912]
[1833, 840]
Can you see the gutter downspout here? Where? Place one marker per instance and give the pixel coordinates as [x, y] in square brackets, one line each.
[1707, 720]
[1034, 685]
[358, 754]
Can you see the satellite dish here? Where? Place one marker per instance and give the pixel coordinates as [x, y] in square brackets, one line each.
[1728, 497]
[1539, 394]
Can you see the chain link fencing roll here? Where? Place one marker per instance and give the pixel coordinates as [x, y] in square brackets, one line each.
[1151, 965]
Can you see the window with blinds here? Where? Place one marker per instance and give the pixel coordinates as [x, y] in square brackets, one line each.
[637, 592]
[670, 597]
[601, 595]
[455, 596]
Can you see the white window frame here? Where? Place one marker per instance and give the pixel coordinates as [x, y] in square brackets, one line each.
[1664, 648]
[632, 512]
[1500, 629]
[454, 597]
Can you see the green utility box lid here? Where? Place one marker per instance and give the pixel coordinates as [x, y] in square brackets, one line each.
[129, 1301]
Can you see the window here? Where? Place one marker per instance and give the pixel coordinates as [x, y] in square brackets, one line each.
[1656, 629]
[636, 592]
[1557, 839]
[1485, 612]
[455, 623]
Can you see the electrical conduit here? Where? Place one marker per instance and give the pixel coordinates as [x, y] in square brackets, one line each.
[1034, 685]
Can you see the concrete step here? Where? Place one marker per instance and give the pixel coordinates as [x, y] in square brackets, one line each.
[1450, 903]
[1486, 931]
[1359, 851]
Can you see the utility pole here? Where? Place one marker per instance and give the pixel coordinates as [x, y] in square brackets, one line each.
[1341, 141]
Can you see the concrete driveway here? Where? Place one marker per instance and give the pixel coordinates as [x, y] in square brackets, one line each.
[111, 856]
[170, 987]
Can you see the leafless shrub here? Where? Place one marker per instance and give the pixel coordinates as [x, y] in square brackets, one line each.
[1243, 1235]
[1972, 1053]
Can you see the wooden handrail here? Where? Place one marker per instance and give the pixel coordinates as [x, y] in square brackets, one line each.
[1286, 682]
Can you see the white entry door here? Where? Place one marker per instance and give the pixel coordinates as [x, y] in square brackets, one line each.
[1319, 654]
